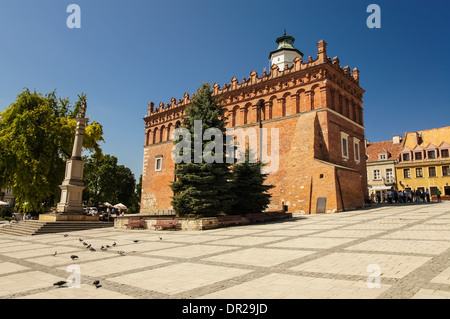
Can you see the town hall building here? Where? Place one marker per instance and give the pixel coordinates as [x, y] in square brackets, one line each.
[317, 107]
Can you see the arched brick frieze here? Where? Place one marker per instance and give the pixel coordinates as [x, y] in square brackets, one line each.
[340, 103]
[155, 136]
[274, 110]
[161, 134]
[316, 97]
[234, 116]
[148, 136]
[245, 113]
[169, 131]
[287, 107]
[331, 103]
[301, 101]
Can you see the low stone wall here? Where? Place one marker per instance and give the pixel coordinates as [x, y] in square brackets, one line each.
[192, 224]
[63, 217]
[183, 223]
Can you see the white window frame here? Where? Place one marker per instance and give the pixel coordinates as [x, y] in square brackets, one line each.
[344, 136]
[356, 150]
[375, 175]
[390, 177]
[409, 173]
[421, 170]
[158, 159]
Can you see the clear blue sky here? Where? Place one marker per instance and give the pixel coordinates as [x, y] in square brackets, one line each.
[128, 53]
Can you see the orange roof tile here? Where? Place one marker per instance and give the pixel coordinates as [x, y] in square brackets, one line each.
[374, 149]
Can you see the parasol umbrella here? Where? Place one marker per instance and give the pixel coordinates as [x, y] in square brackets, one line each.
[121, 206]
[107, 204]
[3, 203]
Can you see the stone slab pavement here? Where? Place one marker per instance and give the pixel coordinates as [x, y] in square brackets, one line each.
[398, 251]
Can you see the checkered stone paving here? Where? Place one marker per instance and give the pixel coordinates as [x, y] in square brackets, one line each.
[399, 251]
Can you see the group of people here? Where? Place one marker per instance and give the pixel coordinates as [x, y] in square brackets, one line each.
[403, 196]
[107, 214]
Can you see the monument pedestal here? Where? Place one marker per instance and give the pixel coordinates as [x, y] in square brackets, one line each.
[70, 207]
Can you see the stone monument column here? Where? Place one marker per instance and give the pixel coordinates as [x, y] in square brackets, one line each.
[72, 187]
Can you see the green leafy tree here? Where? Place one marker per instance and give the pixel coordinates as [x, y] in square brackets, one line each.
[202, 188]
[36, 138]
[248, 185]
[136, 203]
[106, 181]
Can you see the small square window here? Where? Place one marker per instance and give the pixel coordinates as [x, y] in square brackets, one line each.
[356, 150]
[418, 156]
[405, 156]
[431, 154]
[444, 153]
[445, 170]
[376, 174]
[419, 172]
[382, 157]
[158, 164]
[406, 173]
[389, 175]
[344, 145]
[431, 171]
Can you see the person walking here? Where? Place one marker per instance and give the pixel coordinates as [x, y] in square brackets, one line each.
[400, 196]
[438, 193]
[389, 196]
[372, 197]
[427, 195]
[417, 193]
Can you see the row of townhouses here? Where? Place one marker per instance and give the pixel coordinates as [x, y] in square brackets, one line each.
[418, 160]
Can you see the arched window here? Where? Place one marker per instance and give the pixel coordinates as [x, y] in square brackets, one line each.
[169, 131]
[155, 134]
[147, 137]
[162, 137]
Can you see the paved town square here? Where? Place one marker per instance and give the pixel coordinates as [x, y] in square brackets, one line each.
[382, 252]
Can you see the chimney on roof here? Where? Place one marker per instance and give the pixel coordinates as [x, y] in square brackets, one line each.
[396, 139]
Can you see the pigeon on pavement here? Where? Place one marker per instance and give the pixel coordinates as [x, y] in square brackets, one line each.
[60, 283]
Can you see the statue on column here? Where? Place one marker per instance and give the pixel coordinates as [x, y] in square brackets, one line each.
[72, 187]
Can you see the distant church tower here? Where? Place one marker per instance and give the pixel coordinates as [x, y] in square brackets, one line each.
[285, 53]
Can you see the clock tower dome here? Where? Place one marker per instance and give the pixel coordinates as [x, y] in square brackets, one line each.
[285, 53]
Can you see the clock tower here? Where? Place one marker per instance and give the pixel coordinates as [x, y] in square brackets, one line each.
[285, 53]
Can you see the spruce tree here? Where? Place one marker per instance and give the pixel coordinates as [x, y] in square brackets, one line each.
[202, 188]
[248, 186]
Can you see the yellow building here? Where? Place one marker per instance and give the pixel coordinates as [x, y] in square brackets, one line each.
[424, 161]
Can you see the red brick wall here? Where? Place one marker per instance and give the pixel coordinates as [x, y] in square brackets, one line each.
[310, 104]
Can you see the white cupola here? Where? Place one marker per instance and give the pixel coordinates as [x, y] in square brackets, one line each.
[285, 53]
